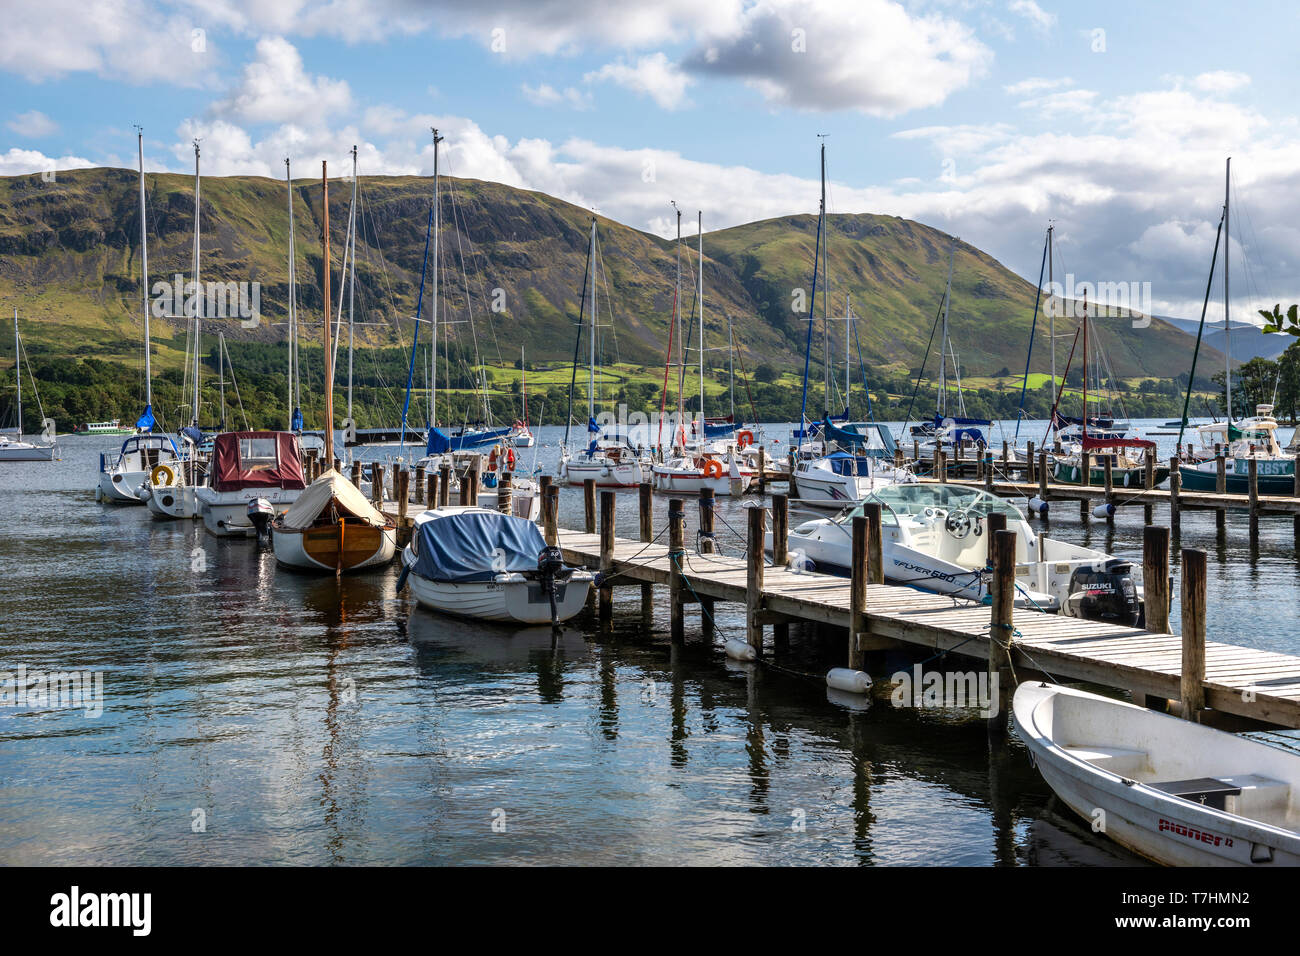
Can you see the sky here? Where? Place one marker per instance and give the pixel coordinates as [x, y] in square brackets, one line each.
[985, 118]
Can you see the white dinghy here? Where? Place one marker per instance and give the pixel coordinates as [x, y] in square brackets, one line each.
[1173, 791]
[482, 564]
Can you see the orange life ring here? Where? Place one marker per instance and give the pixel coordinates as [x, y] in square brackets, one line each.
[745, 437]
[492, 460]
[712, 468]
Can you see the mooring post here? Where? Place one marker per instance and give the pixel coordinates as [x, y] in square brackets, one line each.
[1042, 475]
[551, 516]
[1175, 506]
[916, 450]
[875, 542]
[857, 590]
[1220, 486]
[1108, 466]
[943, 465]
[1003, 626]
[934, 462]
[398, 471]
[419, 483]
[676, 560]
[467, 486]
[377, 485]
[1029, 462]
[706, 546]
[646, 516]
[780, 558]
[444, 486]
[356, 474]
[505, 493]
[754, 579]
[1155, 578]
[762, 469]
[589, 504]
[1193, 599]
[988, 471]
[432, 488]
[606, 557]
[1085, 468]
[1148, 483]
[1252, 484]
[994, 522]
[403, 478]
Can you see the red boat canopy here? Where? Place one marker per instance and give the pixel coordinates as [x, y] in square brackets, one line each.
[256, 460]
[1091, 444]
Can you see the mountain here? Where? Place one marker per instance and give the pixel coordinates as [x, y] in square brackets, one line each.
[1248, 341]
[69, 261]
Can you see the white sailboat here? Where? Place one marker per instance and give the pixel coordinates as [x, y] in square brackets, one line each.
[331, 527]
[1171, 790]
[16, 448]
[121, 477]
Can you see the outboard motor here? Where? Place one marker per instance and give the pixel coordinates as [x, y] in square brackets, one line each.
[1106, 594]
[260, 514]
[550, 567]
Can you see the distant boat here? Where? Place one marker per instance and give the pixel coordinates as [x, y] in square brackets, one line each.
[1173, 791]
[16, 449]
[114, 427]
[476, 563]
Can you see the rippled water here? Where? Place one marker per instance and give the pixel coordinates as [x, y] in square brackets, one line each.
[318, 724]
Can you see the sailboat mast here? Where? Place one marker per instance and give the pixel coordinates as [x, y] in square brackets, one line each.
[826, 317]
[1085, 369]
[18, 375]
[433, 346]
[681, 338]
[329, 352]
[352, 280]
[942, 403]
[731, 369]
[700, 298]
[144, 277]
[293, 298]
[591, 367]
[1051, 306]
[523, 384]
[197, 300]
[848, 325]
[1227, 320]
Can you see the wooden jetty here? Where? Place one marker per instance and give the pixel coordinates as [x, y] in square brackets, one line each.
[1208, 681]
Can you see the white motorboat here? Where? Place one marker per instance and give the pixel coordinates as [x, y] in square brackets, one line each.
[841, 478]
[610, 464]
[121, 478]
[476, 563]
[247, 466]
[333, 528]
[1173, 791]
[692, 473]
[933, 538]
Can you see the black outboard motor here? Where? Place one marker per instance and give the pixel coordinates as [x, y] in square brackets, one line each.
[1108, 594]
[550, 568]
[260, 514]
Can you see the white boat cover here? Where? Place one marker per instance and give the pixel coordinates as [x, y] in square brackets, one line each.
[302, 514]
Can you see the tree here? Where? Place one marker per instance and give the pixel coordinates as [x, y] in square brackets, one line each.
[1276, 321]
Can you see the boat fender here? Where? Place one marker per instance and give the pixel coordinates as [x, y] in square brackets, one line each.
[849, 680]
[99, 493]
[401, 578]
[1103, 511]
[739, 650]
[1037, 506]
[156, 479]
[143, 492]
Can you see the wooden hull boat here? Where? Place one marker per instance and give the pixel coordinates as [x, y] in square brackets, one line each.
[1170, 790]
[332, 528]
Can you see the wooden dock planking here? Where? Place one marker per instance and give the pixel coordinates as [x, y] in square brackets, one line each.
[1256, 684]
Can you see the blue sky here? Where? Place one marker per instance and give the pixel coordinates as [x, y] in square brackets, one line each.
[985, 118]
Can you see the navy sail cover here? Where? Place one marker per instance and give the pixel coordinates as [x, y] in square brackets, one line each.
[476, 546]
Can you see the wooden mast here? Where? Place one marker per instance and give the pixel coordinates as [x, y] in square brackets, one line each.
[329, 358]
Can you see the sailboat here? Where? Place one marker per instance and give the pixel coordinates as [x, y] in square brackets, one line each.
[16, 449]
[695, 465]
[331, 526]
[521, 435]
[610, 461]
[121, 477]
[1242, 441]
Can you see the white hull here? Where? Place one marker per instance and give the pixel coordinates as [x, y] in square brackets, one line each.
[693, 482]
[289, 551]
[25, 451]
[606, 474]
[173, 501]
[1103, 758]
[225, 513]
[121, 487]
[836, 491]
[516, 600]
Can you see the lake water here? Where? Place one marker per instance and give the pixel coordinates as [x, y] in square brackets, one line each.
[288, 719]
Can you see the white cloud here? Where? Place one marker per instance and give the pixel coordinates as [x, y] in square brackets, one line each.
[1221, 81]
[546, 95]
[33, 125]
[21, 162]
[868, 55]
[275, 88]
[653, 75]
[1036, 15]
[1037, 84]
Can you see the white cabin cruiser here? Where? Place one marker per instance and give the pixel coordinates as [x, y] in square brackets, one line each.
[933, 538]
[476, 563]
[690, 473]
[247, 466]
[121, 478]
[611, 464]
[1174, 791]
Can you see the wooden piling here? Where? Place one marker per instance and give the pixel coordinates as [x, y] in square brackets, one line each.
[1193, 600]
[858, 589]
[676, 559]
[551, 516]
[505, 493]
[988, 471]
[1148, 483]
[754, 579]
[377, 485]
[706, 546]
[762, 469]
[1175, 506]
[994, 522]
[1029, 462]
[1220, 486]
[444, 491]
[356, 474]
[606, 557]
[780, 558]
[1108, 467]
[1155, 578]
[875, 542]
[1042, 475]
[589, 504]
[432, 488]
[467, 489]
[942, 458]
[472, 479]
[646, 516]
[403, 479]
[1085, 468]
[1252, 482]
[1002, 626]
[419, 482]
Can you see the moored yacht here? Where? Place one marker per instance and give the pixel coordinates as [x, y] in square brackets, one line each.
[247, 466]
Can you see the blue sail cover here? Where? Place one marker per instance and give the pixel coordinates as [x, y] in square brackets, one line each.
[475, 546]
[295, 423]
[146, 421]
[855, 438]
[440, 442]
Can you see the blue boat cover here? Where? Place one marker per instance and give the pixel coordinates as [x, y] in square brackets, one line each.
[146, 421]
[440, 442]
[855, 438]
[476, 545]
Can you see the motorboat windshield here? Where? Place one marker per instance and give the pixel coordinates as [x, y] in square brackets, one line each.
[916, 499]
